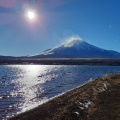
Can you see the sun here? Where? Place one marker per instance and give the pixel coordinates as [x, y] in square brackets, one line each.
[31, 15]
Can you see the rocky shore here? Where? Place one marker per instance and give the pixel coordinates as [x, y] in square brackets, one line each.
[96, 100]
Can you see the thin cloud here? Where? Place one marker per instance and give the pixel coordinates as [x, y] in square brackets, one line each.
[72, 39]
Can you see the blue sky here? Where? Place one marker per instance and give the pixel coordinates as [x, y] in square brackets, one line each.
[96, 21]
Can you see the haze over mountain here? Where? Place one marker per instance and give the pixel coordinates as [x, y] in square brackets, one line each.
[75, 47]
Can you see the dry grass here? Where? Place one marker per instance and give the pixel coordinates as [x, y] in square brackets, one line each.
[103, 93]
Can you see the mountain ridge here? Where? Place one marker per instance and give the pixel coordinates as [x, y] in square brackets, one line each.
[77, 48]
[74, 47]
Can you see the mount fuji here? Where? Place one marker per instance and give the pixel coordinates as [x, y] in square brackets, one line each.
[75, 47]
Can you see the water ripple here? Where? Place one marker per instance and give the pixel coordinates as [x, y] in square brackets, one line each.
[23, 87]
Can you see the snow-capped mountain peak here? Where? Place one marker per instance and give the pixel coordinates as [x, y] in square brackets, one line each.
[73, 41]
[75, 47]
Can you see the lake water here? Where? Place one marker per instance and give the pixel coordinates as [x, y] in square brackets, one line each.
[23, 87]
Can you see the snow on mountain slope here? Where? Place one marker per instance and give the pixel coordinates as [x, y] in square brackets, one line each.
[75, 47]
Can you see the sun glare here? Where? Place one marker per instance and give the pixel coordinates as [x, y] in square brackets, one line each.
[31, 15]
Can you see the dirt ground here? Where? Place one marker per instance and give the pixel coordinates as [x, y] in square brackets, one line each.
[96, 100]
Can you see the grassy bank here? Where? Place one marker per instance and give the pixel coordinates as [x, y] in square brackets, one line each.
[97, 100]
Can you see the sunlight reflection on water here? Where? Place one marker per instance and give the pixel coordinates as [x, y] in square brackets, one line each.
[23, 87]
[29, 85]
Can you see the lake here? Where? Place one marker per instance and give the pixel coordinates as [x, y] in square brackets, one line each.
[23, 87]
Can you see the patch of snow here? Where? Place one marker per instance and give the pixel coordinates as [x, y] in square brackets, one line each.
[80, 103]
[48, 53]
[94, 89]
[103, 88]
[77, 113]
[87, 103]
[105, 85]
[82, 108]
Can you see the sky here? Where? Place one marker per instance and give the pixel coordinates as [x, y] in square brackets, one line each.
[95, 21]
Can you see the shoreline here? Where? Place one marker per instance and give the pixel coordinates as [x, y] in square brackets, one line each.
[61, 61]
[87, 102]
